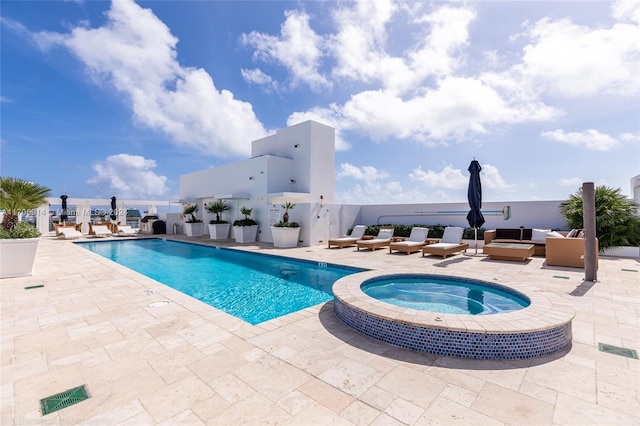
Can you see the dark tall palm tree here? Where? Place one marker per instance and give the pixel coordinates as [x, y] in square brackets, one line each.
[18, 195]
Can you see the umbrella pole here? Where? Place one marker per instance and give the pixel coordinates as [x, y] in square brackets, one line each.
[475, 230]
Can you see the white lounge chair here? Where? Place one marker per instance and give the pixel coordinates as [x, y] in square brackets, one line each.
[417, 240]
[356, 233]
[450, 243]
[101, 231]
[125, 231]
[383, 239]
[69, 233]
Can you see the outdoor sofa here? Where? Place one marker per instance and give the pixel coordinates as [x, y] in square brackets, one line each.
[518, 236]
[567, 251]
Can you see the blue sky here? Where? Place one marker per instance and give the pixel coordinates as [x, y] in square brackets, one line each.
[102, 99]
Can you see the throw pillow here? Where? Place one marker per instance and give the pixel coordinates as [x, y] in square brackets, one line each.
[539, 234]
[572, 233]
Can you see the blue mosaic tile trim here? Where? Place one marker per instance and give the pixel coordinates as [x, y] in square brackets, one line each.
[456, 343]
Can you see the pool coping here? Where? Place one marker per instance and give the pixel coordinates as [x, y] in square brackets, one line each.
[542, 314]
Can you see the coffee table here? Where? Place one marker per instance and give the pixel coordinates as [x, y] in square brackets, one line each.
[509, 251]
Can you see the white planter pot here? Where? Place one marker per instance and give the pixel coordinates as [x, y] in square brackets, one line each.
[285, 237]
[17, 257]
[245, 234]
[219, 231]
[194, 229]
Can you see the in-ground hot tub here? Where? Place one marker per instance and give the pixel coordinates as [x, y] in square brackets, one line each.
[537, 328]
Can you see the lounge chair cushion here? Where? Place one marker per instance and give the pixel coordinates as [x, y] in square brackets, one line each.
[383, 234]
[126, 230]
[417, 240]
[382, 239]
[452, 235]
[539, 234]
[101, 230]
[69, 233]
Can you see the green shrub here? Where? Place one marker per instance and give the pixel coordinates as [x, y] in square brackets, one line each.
[286, 225]
[21, 230]
[617, 223]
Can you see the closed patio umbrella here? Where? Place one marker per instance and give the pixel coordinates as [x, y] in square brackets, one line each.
[63, 216]
[474, 194]
[114, 208]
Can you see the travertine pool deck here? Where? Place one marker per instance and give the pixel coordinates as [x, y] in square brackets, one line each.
[188, 363]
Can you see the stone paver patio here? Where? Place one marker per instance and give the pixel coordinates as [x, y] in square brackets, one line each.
[188, 363]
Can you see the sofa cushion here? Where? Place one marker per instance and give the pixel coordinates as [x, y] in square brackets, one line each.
[554, 234]
[507, 234]
[527, 234]
[539, 234]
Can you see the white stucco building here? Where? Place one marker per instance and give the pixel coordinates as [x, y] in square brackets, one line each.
[296, 164]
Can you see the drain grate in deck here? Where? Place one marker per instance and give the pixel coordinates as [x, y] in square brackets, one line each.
[34, 286]
[561, 276]
[617, 350]
[629, 270]
[63, 400]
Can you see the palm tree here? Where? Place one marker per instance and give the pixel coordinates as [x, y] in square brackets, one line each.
[191, 209]
[617, 223]
[18, 195]
[287, 206]
[218, 207]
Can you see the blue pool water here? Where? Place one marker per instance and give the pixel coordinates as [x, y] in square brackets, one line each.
[250, 286]
[449, 295]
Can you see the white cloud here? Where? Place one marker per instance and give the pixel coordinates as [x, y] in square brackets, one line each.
[367, 173]
[629, 137]
[590, 139]
[128, 176]
[448, 178]
[491, 178]
[135, 53]
[456, 109]
[572, 60]
[257, 76]
[360, 44]
[626, 10]
[298, 48]
[456, 179]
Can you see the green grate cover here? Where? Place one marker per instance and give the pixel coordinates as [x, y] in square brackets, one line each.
[563, 277]
[629, 270]
[63, 400]
[617, 350]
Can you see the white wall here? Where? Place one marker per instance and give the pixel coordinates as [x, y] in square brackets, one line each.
[530, 214]
[303, 153]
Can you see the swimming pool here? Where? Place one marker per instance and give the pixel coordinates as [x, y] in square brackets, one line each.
[444, 294]
[250, 286]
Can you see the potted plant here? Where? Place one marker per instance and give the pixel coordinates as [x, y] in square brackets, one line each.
[192, 225]
[285, 234]
[218, 228]
[18, 240]
[245, 230]
[287, 206]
